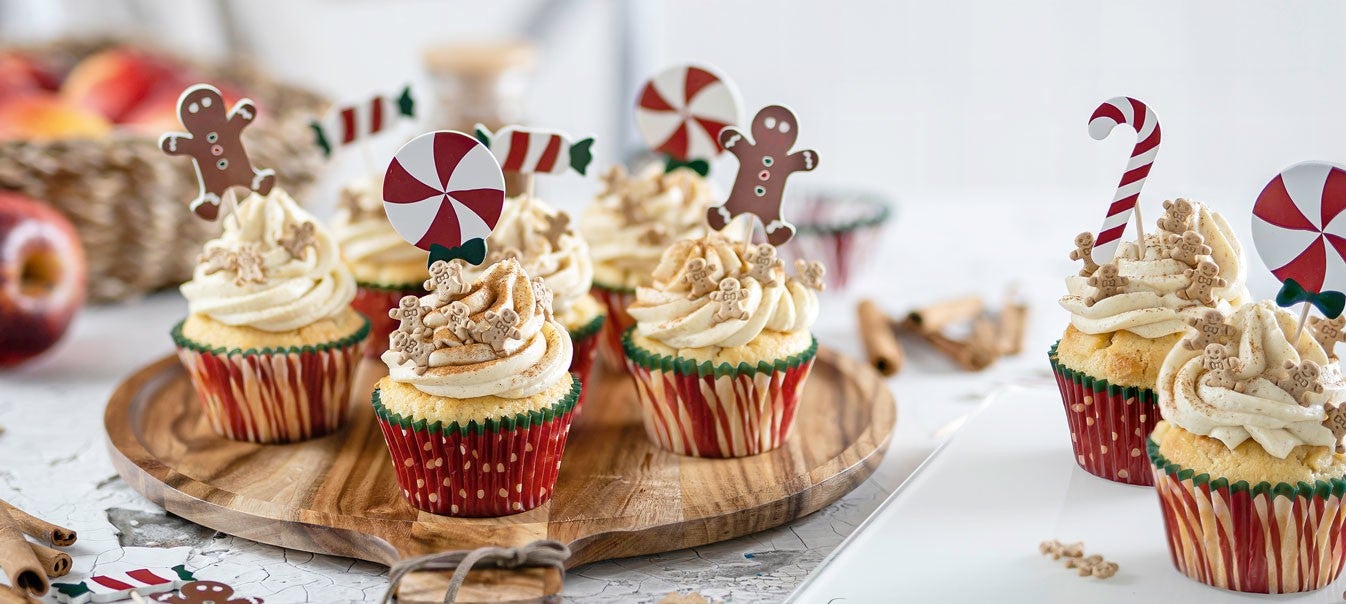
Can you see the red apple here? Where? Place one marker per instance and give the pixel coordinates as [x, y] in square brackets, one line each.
[21, 74]
[113, 82]
[42, 277]
[45, 116]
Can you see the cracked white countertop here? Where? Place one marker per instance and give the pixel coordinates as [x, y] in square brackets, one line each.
[53, 461]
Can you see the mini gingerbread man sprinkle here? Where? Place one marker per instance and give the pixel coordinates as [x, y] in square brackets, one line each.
[410, 348]
[762, 262]
[557, 225]
[1328, 332]
[1186, 248]
[629, 206]
[1106, 283]
[1301, 379]
[1177, 216]
[298, 238]
[543, 298]
[1221, 367]
[412, 315]
[733, 300]
[457, 328]
[1336, 422]
[248, 266]
[1205, 278]
[612, 180]
[1058, 550]
[655, 234]
[505, 254]
[216, 259]
[497, 328]
[1210, 329]
[1084, 250]
[446, 280]
[349, 200]
[696, 274]
[811, 274]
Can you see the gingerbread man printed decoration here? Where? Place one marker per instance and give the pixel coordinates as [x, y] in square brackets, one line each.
[214, 142]
[1221, 366]
[733, 300]
[1204, 279]
[1328, 332]
[1084, 250]
[1106, 283]
[205, 592]
[1177, 216]
[1300, 380]
[764, 164]
[1210, 329]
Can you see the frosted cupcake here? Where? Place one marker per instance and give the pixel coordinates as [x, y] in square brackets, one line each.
[1125, 318]
[271, 341]
[385, 266]
[543, 240]
[628, 227]
[478, 400]
[721, 347]
[1247, 460]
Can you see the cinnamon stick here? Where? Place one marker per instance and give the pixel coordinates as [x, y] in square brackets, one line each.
[18, 560]
[881, 346]
[1013, 322]
[39, 528]
[939, 315]
[54, 562]
[966, 356]
[11, 595]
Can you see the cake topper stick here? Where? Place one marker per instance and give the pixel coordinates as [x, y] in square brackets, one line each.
[347, 124]
[681, 111]
[444, 193]
[214, 142]
[1129, 111]
[764, 164]
[1299, 236]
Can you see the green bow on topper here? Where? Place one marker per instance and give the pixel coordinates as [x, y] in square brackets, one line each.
[473, 252]
[700, 166]
[1330, 303]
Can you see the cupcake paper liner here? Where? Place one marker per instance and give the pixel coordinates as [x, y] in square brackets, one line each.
[616, 300]
[1263, 538]
[585, 341]
[721, 410]
[374, 302]
[496, 467]
[839, 229]
[273, 395]
[1108, 424]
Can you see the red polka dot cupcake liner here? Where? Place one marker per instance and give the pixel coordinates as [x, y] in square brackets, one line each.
[1108, 424]
[273, 395]
[724, 410]
[585, 341]
[374, 302]
[492, 468]
[616, 300]
[1261, 538]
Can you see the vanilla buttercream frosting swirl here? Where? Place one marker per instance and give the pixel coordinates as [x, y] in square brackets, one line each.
[671, 312]
[629, 225]
[1149, 305]
[564, 265]
[528, 363]
[1257, 407]
[363, 232]
[292, 291]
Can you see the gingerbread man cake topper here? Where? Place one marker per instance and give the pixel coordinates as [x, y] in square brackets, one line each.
[764, 164]
[214, 142]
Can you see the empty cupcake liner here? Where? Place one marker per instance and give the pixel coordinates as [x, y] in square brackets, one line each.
[837, 228]
[273, 395]
[374, 302]
[722, 410]
[585, 342]
[616, 300]
[1108, 424]
[1264, 538]
[491, 468]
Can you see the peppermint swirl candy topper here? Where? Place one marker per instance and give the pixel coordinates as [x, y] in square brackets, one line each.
[681, 111]
[443, 193]
[1300, 232]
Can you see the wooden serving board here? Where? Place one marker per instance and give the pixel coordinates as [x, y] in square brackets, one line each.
[617, 494]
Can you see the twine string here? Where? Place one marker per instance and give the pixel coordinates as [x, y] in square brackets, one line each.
[542, 553]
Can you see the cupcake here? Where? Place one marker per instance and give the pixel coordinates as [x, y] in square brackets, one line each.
[1247, 458]
[271, 342]
[542, 240]
[721, 347]
[386, 267]
[1125, 318]
[628, 227]
[478, 399]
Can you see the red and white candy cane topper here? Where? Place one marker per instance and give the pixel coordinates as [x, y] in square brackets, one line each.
[1129, 111]
[682, 109]
[444, 191]
[1299, 226]
[214, 142]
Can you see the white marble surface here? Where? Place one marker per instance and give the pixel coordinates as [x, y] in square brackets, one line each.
[53, 460]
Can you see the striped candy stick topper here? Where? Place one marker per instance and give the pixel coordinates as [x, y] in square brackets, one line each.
[118, 586]
[536, 150]
[350, 123]
[1129, 111]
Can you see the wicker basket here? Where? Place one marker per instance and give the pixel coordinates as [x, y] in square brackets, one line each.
[128, 200]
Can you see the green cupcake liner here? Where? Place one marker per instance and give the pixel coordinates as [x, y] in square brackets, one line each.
[589, 328]
[184, 342]
[1144, 395]
[489, 425]
[393, 287]
[1335, 487]
[672, 364]
[615, 288]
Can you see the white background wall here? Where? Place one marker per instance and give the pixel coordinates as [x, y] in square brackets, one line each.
[914, 98]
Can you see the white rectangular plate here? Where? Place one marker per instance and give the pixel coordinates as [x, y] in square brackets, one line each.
[965, 526]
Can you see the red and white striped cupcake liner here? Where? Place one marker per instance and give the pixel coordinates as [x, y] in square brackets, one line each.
[1263, 538]
[717, 411]
[374, 302]
[585, 341]
[618, 321]
[273, 395]
[494, 468]
[1108, 424]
